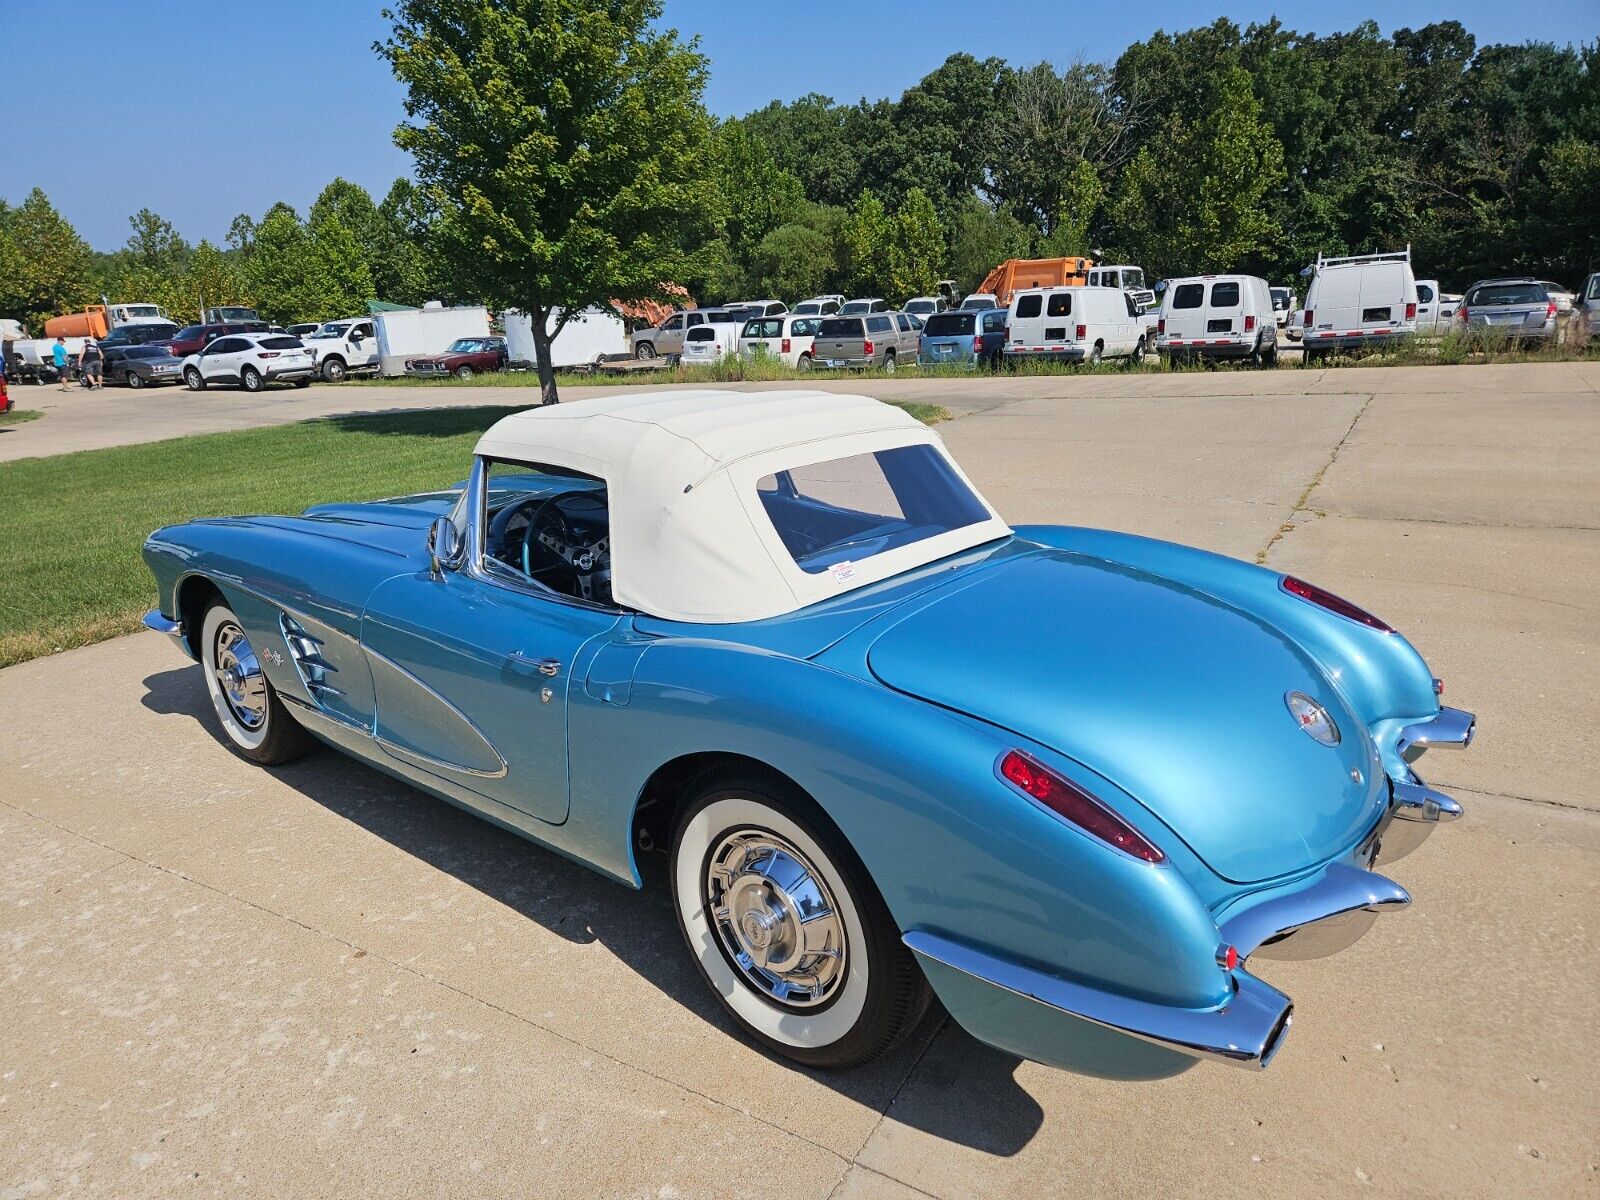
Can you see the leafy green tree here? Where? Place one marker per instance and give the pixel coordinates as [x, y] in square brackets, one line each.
[405, 269]
[1081, 195]
[864, 241]
[981, 238]
[916, 248]
[793, 260]
[211, 280]
[1193, 199]
[568, 144]
[757, 194]
[44, 264]
[812, 138]
[300, 273]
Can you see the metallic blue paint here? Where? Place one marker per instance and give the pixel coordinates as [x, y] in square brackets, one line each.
[1149, 674]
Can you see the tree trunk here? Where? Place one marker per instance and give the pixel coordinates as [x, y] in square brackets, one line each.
[541, 351]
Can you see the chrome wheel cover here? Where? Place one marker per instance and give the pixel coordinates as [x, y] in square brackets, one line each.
[776, 919]
[244, 687]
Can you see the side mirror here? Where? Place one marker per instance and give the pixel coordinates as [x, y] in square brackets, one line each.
[445, 548]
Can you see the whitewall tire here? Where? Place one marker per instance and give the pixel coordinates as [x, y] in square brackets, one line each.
[254, 720]
[788, 930]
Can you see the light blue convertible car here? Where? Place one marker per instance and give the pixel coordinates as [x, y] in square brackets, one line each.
[1073, 783]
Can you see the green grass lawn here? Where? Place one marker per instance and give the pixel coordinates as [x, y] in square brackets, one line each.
[75, 523]
[18, 415]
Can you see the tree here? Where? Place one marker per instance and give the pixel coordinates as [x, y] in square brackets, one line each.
[916, 248]
[1081, 194]
[1193, 199]
[404, 268]
[212, 280]
[44, 264]
[298, 273]
[567, 143]
[864, 242]
[351, 206]
[981, 238]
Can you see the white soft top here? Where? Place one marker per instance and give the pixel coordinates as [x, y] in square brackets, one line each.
[690, 538]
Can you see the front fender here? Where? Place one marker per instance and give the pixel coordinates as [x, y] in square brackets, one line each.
[913, 788]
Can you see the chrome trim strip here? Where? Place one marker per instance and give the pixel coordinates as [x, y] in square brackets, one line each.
[161, 624]
[1245, 1032]
[1327, 916]
[1452, 729]
[1419, 802]
[415, 756]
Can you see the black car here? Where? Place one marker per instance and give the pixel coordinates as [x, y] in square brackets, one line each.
[138, 335]
[141, 366]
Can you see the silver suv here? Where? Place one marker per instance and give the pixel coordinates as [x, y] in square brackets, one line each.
[1516, 308]
[871, 340]
[666, 339]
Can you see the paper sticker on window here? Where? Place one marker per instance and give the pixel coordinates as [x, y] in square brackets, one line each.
[843, 571]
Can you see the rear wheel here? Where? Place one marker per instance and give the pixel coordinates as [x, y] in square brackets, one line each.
[251, 379]
[804, 364]
[255, 721]
[889, 363]
[302, 383]
[788, 929]
[134, 380]
[193, 380]
[1097, 352]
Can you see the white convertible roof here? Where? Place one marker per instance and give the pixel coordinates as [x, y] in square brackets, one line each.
[690, 538]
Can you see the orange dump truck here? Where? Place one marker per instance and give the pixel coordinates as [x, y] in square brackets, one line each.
[91, 322]
[1017, 273]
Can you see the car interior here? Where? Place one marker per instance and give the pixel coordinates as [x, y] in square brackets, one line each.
[551, 526]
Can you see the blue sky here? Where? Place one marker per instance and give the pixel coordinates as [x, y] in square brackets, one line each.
[201, 109]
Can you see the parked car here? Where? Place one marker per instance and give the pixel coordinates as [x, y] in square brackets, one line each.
[1218, 317]
[761, 308]
[819, 306]
[1436, 309]
[141, 366]
[854, 308]
[970, 338]
[787, 337]
[880, 339]
[1129, 279]
[193, 338]
[346, 347]
[142, 333]
[710, 343]
[979, 301]
[302, 330]
[888, 746]
[1359, 300]
[666, 339]
[250, 361]
[464, 358]
[1074, 324]
[1520, 309]
[925, 306]
[1563, 297]
[1283, 306]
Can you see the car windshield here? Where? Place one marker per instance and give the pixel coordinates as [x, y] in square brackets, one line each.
[464, 346]
[1281, 297]
[839, 327]
[1592, 292]
[921, 306]
[1507, 293]
[950, 324]
[1132, 277]
[189, 331]
[857, 306]
[979, 302]
[807, 309]
[831, 514]
[333, 329]
[143, 310]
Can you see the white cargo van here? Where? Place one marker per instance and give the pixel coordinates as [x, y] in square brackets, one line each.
[1360, 300]
[1218, 316]
[1074, 324]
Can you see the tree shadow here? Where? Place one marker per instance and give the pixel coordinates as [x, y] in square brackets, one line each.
[958, 1075]
[421, 422]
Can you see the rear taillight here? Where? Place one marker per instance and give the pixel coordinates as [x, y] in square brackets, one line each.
[1335, 604]
[1032, 778]
[866, 347]
[1411, 312]
[1249, 324]
[1461, 314]
[785, 345]
[1308, 318]
[1161, 324]
[267, 353]
[1081, 332]
[1550, 310]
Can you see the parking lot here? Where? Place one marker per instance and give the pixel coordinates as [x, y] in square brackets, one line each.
[314, 981]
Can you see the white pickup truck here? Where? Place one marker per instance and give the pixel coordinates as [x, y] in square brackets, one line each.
[344, 347]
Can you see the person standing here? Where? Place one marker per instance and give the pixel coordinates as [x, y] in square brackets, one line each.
[90, 360]
[59, 356]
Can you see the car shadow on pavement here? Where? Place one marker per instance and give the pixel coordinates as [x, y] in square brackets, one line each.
[979, 1105]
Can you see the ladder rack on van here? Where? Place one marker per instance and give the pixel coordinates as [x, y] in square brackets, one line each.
[1350, 259]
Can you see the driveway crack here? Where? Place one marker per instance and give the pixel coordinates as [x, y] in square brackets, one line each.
[1303, 504]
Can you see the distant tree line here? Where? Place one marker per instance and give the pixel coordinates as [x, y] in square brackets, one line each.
[1218, 148]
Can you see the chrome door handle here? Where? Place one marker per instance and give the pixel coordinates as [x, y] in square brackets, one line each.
[545, 666]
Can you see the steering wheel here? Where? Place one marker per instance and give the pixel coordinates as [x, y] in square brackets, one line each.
[555, 534]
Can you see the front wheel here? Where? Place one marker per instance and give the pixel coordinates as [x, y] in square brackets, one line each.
[333, 371]
[1137, 356]
[788, 929]
[464, 372]
[644, 351]
[254, 720]
[193, 380]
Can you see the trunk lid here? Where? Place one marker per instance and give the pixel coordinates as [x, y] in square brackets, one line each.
[1171, 694]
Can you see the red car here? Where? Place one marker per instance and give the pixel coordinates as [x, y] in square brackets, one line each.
[465, 358]
[192, 339]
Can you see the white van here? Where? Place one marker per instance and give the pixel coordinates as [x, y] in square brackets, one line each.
[1218, 316]
[1360, 300]
[785, 337]
[1074, 324]
[709, 343]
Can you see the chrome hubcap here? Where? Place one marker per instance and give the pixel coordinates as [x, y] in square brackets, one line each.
[776, 918]
[244, 688]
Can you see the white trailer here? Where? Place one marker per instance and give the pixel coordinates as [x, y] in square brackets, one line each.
[588, 337]
[413, 332]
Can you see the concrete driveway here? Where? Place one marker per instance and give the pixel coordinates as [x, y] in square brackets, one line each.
[314, 981]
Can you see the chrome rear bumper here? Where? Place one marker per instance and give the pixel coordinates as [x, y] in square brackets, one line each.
[1318, 920]
[1245, 1032]
[1452, 729]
